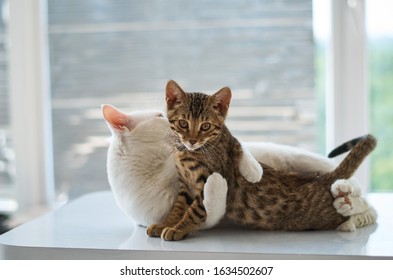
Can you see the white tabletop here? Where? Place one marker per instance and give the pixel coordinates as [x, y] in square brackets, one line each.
[93, 227]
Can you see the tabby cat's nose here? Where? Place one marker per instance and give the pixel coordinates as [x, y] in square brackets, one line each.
[192, 142]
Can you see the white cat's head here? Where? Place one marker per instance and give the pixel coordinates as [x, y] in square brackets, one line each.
[122, 123]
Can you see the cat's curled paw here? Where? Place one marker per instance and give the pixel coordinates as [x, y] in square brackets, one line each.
[363, 219]
[343, 205]
[346, 193]
[173, 234]
[250, 168]
[345, 188]
[155, 230]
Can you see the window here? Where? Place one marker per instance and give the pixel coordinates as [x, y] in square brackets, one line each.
[123, 52]
[321, 31]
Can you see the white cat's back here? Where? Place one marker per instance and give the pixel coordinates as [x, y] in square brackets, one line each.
[289, 158]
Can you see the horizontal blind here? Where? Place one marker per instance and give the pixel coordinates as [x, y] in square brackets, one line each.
[123, 52]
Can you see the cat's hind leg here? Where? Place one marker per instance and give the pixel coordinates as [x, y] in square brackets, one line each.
[215, 198]
[359, 220]
[249, 167]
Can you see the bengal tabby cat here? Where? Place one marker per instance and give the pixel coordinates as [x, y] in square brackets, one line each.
[279, 201]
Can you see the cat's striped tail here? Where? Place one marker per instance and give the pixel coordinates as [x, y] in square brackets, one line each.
[363, 147]
[345, 147]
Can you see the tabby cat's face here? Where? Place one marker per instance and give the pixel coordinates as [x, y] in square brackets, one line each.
[194, 121]
[196, 118]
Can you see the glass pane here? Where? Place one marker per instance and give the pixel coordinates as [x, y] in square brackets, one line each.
[380, 56]
[321, 29]
[123, 52]
[7, 165]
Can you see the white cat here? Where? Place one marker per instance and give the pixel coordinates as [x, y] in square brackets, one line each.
[143, 176]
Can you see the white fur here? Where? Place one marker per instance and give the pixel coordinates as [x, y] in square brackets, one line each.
[349, 202]
[249, 167]
[355, 221]
[289, 158]
[142, 173]
[215, 191]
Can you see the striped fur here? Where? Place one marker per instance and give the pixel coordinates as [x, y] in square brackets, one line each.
[280, 201]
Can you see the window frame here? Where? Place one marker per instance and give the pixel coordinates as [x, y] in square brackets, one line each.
[347, 105]
[31, 124]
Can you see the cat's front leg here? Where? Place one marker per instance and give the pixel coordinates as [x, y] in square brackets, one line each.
[192, 220]
[182, 203]
[249, 167]
[214, 201]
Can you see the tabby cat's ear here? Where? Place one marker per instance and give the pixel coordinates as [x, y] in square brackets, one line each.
[116, 119]
[221, 100]
[174, 94]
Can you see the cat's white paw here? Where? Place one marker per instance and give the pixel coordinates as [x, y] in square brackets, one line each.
[215, 198]
[347, 197]
[347, 226]
[366, 218]
[343, 205]
[250, 168]
[345, 187]
[215, 189]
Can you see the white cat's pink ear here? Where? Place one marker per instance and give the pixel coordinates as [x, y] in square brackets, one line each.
[221, 100]
[116, 118]
[174, 94]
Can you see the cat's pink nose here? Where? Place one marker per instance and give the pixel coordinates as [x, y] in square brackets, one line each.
[192, 142]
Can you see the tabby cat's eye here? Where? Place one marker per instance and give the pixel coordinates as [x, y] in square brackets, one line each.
[205, 126]
[183, 124]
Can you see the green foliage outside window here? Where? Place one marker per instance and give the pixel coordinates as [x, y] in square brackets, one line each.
[381, 108]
